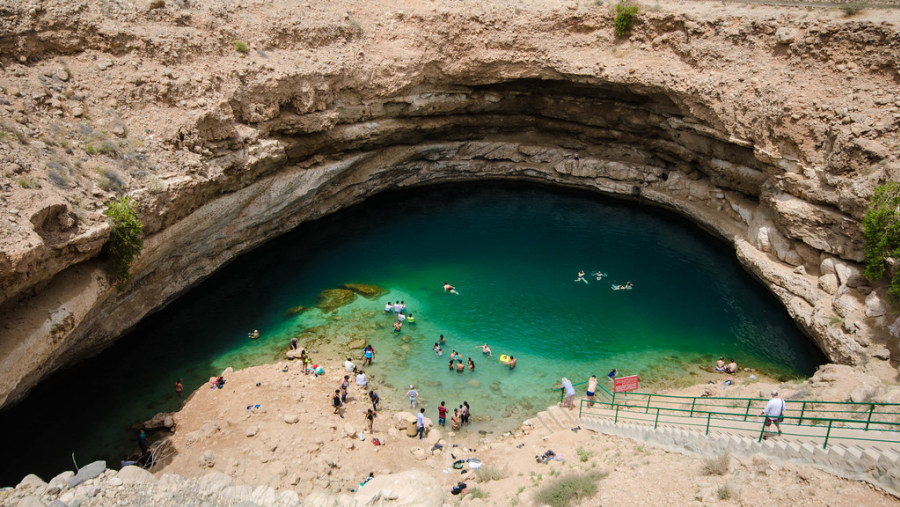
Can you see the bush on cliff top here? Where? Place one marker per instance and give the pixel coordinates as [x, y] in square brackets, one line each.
[625, 13]
[124, 239]
[881, 232]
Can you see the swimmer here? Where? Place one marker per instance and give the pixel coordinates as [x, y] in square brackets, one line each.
[581, 277]
[402, 306]
[485, 350]
[512, 362]
[398, 326]
[449, 288]
[442, 341]
[389, 307]
[599, 275]
[254, 335]
[628, 285]
[460, 367]
[452, 365]
[437, 349]
[397, 307]
[471, 364]
[401, 317]
[410, 319]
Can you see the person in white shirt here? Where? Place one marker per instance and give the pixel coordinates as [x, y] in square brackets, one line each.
[774, 411]
[401, 317]
[362, 380]
[349, 366]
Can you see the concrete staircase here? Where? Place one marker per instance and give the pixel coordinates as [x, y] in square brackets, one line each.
[875, 462]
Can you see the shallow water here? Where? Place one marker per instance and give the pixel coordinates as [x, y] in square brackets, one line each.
[513, 253]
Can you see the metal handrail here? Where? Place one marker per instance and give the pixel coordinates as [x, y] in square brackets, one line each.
[817, 423]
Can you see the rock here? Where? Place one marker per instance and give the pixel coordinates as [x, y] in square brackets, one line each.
[30, 482]
[829, 283]
[407, 488]
[331, 299]
[87, 473]
[31, 501]
[863, 393]
[295, 310]
[295, 354]
[208, 459]
[364, 290]
[61, 481]
[848, 274]
[875, 306]
[785, 35]
[328, 461]
[214, 482]
[290, 419]
[115, 481]
[846, 305]
[356, 344]
[160, 420]
[105, 64]
[251, 431]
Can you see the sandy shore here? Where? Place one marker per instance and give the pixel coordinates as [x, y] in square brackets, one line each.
[272, 425]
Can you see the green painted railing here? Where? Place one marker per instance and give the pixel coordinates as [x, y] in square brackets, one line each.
[826, 420]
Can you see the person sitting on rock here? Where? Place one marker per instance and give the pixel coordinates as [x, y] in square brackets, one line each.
[732, 366]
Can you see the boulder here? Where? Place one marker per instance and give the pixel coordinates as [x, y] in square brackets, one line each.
[331, 299]
[407, 488]
[30, 482]
[291, 418]
[829, 283]
[207, 459]
[253, 430]
[785, 35]
[214, 482]
[61, 481]
[875, 306]
[87, 473]
[365, 290]
[160, 420]
[31, 501]
[295, 354]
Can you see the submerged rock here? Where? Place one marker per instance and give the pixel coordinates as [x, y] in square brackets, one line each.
[365, 290]
[295, 310]
[331, 299]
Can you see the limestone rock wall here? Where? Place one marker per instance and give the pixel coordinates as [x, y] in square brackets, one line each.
[748, 133]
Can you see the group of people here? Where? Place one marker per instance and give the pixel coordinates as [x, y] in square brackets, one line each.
[399, 309]
[459, 417]
[721, 367]
[599, 276]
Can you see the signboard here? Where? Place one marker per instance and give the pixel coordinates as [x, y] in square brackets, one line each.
[623, 384]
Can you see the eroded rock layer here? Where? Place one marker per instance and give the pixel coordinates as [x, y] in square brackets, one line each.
[769, 129]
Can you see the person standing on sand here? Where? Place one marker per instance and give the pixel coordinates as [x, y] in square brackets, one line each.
[373, 397]
[774, 413]
[442, 414]
[336, 402]
[570, 393]
[420, 423]
[413, 396]
[345, 384]
[370, 419]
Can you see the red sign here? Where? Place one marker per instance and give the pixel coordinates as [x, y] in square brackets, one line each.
[626, 384]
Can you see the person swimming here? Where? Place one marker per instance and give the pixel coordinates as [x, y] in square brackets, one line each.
[449, 288]
[485, 350]
[398, 326]
[599, 275]
[253, 335]
[581, 277]
[389, 307]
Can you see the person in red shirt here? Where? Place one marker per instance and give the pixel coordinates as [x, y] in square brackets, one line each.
[442, 414]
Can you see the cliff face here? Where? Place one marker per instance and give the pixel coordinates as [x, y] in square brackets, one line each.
[770, 129]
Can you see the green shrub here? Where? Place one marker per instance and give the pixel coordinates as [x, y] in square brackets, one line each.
[625, 13]
[881, 233]
[490, 473]
[853, 8]
[717, 465]
[568, 489]
[90, 150]
[124, 239]
[241, 47]
[583, 454]
[28, 182]
[724, 492]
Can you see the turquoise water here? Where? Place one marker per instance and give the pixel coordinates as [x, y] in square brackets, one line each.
[512, 252]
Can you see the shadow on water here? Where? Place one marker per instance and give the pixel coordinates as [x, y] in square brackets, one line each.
[511, 249]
